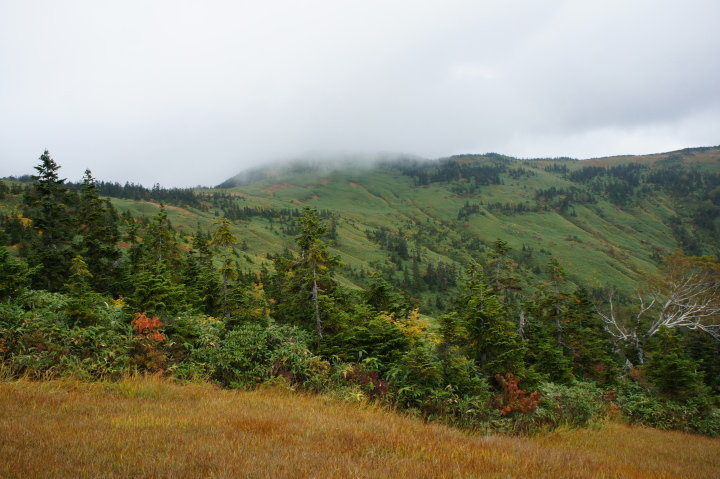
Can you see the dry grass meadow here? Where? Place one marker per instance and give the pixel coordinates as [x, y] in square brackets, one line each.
[150, 428]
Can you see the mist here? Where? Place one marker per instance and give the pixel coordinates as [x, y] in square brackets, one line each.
[184, 94]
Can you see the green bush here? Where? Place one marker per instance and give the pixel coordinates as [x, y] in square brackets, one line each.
[251, 354]
[38, 339]
[575, 405]
[639, 406]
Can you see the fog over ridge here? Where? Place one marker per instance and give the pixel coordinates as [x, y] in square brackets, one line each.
[183, 93]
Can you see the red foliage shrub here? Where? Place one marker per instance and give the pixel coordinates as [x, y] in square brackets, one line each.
[148, 328]
[514, 399]
[146, 355]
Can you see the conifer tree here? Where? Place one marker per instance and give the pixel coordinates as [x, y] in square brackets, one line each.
[14, 275]
[225, 239]
[547, 330]
[493, 341]
[381, 297]
[200, 278]
[705, 350]
[248, 301]
[82, 303]
[156, 283]
[156, 291]
[47, 205]
[502, 272]
[98, 231]
[159, 242]
[589, 344]
[458, 363]
[307, 281]
[132, 239]
[672, 370]
[565, 338]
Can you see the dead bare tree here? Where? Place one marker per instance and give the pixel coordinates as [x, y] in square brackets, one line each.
[686, 295]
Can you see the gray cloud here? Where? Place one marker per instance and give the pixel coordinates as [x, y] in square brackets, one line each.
[186, 93]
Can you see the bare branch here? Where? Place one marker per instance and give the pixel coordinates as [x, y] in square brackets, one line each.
[687, 295]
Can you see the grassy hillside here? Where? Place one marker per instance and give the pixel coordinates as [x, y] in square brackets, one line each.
[609, 230]
[151, 428]
[608, 221]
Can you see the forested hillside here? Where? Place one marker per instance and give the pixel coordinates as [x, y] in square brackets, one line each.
[482, 290]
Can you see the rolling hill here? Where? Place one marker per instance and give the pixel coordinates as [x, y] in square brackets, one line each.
[608, 221]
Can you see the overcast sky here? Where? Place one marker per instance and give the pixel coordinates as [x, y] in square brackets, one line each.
[184, 93]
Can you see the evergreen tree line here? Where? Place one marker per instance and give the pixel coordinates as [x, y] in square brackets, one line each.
[461, 167]
[158, 194]
[696, 193]
[407, 269]
[228, 205]
[621, 183]
[97, 294]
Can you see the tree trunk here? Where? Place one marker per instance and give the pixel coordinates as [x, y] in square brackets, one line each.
[318, 320]
[225, 296]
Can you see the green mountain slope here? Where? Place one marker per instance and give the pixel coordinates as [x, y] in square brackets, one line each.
[608, 221]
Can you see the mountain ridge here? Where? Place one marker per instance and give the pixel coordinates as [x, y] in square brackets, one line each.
[419, 223]
[267, 171]
[608, 221]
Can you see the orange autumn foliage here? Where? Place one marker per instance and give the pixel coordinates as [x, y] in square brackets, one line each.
[514, 399]
[148, 328]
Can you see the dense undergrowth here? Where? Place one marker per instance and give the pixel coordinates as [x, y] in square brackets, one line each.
[87, 294]
[37, 343]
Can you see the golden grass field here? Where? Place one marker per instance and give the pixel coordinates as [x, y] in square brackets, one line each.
[150, 428]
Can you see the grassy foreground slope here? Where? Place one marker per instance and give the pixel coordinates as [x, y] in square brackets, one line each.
[152, 428]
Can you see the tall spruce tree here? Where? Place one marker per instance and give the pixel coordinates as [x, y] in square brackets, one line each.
[589, 344]
[48, 205]
[501, 272]
[200, 278]
[547, 329]
[98, 232]
[672, 370]
[81, 307]
[493, 341]
[157, 292]
[381, 297]
[565, 338]
[155, 285]
[160, 242]
[306, 282]
[225, 239]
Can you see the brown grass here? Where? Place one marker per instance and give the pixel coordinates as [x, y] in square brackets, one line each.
[152, 428]
[176, 208]
[270, 190]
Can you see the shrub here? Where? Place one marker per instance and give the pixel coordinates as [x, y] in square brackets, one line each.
[251, 354]
[574, 405]
[639, 406]
[37, 340]
[512, 399]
